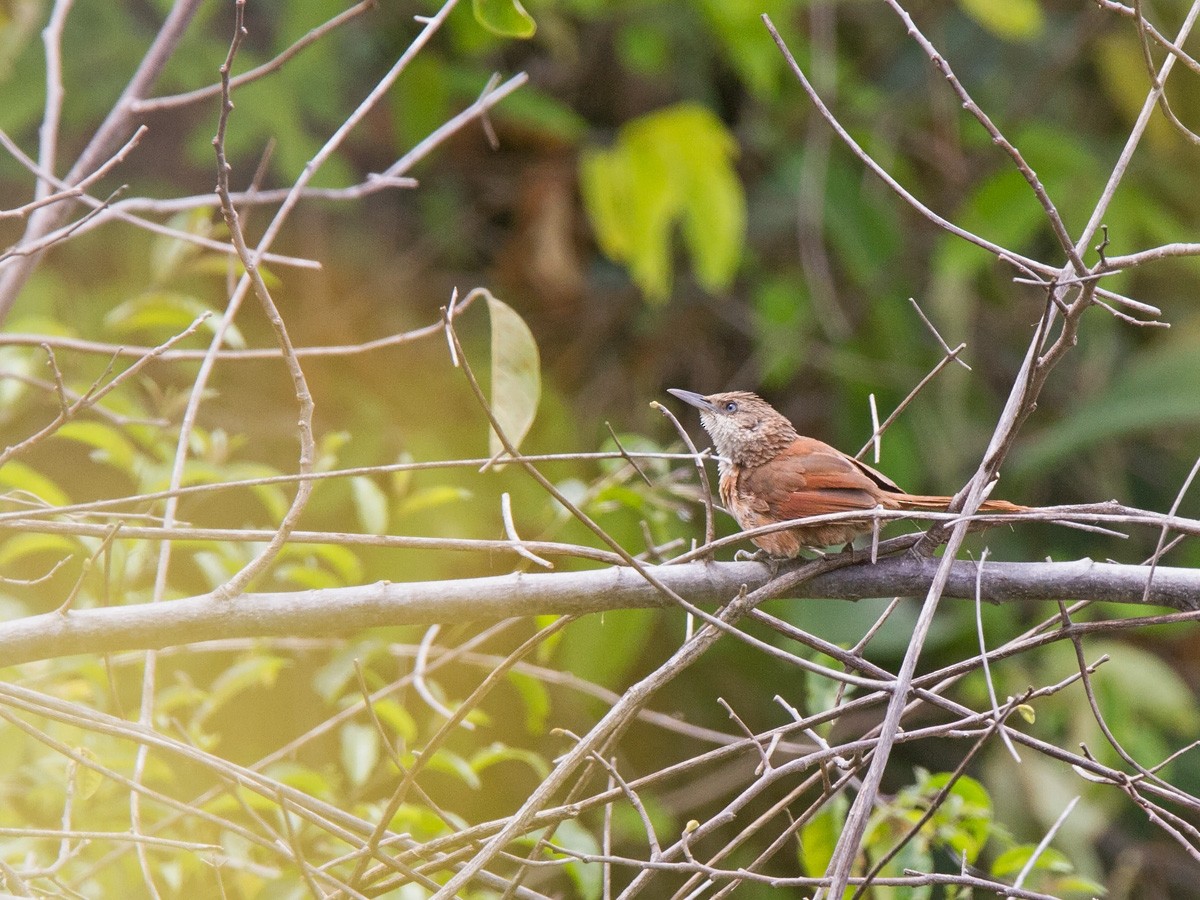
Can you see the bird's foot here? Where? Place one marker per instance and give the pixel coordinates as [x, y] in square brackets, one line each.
[756, 556]
[760, 556]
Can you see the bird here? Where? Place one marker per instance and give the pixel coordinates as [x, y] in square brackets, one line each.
[770, 473]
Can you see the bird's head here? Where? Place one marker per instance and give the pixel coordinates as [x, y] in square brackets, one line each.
[745, 429]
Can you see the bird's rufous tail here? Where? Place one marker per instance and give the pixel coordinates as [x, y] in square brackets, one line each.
[926, 501]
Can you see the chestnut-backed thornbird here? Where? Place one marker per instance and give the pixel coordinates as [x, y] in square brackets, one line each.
[771, 474]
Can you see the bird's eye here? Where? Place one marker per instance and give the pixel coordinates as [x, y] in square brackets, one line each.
[731, 406]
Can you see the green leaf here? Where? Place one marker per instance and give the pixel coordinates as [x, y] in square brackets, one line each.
[258, 670]
[313, 782]
[169, 254]
[20, 477]
[608, 652]
[546, 649]
[109, 445]
[783, 314]
[319, 565]
[819, 836]
[739, 29]
[217, 567]
[862, 225]
[964, 820]
[1013, 20]
[1121, 66]
[498, 753]
[371, 504]
[516, 375]
[342, 561]
[419, 821]
[305, 576]
[167, 312]
[18, 25]
[587, 877]
[535, 698]
[1143, 693]
[360, 751]
[672, 168]
[542, 115]
[506, 18]
[1153, 391]
[87, 779]
[420, 101]
[28, 543]
[431, 498]
[16, 363]
[272, 496]
[1052, 873]
[395, 717]
[219, 265]
[1009, 863]
[334, 677]
[452, 764]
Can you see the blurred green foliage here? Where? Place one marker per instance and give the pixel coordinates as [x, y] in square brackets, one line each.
[670, 168]
[640, 221]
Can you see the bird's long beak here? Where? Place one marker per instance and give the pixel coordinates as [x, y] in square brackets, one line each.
[697, 400]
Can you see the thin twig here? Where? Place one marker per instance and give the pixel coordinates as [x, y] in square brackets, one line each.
[1162, 535]
[1044, 843]
[236, 583]
[108, 137]
[175, 101]
[625, 455]
[987, 670]
[701, 472]
[952, 356]
[95, 394]
[510, 529]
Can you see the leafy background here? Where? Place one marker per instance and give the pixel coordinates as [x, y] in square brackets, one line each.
[662, 210]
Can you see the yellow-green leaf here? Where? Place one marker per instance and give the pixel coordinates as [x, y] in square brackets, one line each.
[87, 780]
[254, 671]
[1013, 20]
[306, 576]
[107, 443]
[398, 719]
[169, 254]
[431, 497]
[506, 18]
[165, 312]
[451, 763]
[342, 563]
[498, 753]
[819, 836]
[20, 477]
[669, 169]
[360, 751]
[371, 504]
[28, 543]
[516, 375]
[535, 698]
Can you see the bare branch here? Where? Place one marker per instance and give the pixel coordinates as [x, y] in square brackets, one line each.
[214, 90]
[345, 610]
[108, 137]
[238, 582]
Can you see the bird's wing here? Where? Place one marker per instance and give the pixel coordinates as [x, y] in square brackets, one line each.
[810, 478]
[875, 475]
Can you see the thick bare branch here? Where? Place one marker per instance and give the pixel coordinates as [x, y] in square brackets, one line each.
[346, 610]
